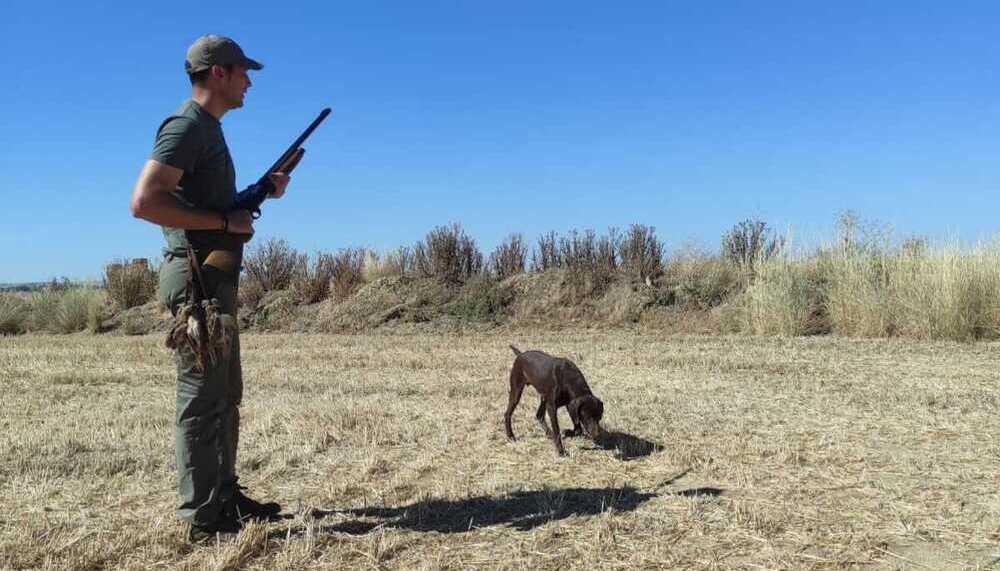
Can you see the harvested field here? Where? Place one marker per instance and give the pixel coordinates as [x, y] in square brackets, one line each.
[388, 452]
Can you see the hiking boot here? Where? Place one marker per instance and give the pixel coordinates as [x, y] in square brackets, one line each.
[204, 533]
[243, 508]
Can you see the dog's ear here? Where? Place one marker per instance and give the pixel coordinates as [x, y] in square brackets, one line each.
[595, 407]
[574, 407]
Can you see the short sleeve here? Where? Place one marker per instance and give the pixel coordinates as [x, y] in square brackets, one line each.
[178, 143]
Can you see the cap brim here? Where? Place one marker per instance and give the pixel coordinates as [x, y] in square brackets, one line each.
[253, 64]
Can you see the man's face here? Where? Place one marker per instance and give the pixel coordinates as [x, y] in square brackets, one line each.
[233, 85]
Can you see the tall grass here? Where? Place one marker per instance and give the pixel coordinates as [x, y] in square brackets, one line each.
[65, 311]
[944, 293]
[785, 298]
[14, 314]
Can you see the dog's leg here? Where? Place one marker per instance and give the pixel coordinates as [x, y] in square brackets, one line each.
[574, 415]
[540, 415]
[516, 387]
[556, 437]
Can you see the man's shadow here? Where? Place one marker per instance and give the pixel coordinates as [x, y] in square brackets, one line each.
[627, 446]
[521, 510]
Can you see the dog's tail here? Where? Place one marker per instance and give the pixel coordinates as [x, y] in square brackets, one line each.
[516, 350]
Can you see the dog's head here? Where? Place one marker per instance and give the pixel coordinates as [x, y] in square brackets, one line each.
[590, 410]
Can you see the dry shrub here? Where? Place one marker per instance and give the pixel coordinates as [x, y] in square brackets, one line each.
[250, 292]
[642, 253]
[785, 299]
[13, 314]
[483, 299]
[272, 265]
[347, 271]
[311, 283]
[394, 263]
[950, 294]
[858, 297]
[699, 280]
[624, 302]
[130, 283]
[80, 309]
[750, 243]
[43, 310]
[546, 254]
[590, 263]
[542, 297]
[509, 258]
[65, 311]
[943, 294]
[448, 254]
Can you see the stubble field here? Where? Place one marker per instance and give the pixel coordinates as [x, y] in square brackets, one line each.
[388, 452]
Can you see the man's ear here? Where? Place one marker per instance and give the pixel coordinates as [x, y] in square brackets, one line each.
[217, 71]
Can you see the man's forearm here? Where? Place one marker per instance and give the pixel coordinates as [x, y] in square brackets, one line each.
[163, 209]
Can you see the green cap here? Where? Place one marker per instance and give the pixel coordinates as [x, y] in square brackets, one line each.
[211, 50]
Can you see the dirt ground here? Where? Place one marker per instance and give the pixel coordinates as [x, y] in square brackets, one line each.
[388, 452]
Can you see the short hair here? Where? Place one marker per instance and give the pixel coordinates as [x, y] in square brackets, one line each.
[199, 77]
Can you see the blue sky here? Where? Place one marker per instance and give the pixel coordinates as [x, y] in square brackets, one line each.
[510, 116]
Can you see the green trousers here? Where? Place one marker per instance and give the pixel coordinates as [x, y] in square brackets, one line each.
[207, 422]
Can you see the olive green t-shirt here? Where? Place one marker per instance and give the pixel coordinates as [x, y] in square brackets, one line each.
[191, 140]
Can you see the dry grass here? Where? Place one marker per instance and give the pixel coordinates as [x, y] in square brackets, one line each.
[731, 453]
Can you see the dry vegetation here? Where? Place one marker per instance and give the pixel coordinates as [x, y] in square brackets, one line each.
[388, 451]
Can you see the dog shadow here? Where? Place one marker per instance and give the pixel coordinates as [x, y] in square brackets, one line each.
[626, 446]
[522, 510]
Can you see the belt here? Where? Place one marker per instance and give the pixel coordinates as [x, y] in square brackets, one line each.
[224, 260]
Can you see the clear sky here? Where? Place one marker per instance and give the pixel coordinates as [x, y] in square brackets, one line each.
[514, 116]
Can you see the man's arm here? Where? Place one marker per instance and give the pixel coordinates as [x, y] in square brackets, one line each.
[152, 200]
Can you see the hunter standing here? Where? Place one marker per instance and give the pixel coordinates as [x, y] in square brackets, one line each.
[187, 186]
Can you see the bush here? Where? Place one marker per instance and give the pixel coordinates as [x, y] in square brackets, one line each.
[945, 294]
[448, 254]
[590, 263]
[642, 253]
[250, 292]
[546, 255]
[273, 265]
[394, 263]
[785, 299]
[509, 258]
[699, 280]
[311, 284]
[483, 299]
[858, 296]
[65, 311]
[130, 283]
[13, 314]
[347, 271]
[748, 244]
[80, 309]
[43, 311]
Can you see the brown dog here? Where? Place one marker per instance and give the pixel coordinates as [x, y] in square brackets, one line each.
[559, 383]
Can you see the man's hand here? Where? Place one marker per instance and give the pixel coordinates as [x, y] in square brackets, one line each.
[280, 181]
[240, 222]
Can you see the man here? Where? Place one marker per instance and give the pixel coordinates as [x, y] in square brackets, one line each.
[187, 186]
